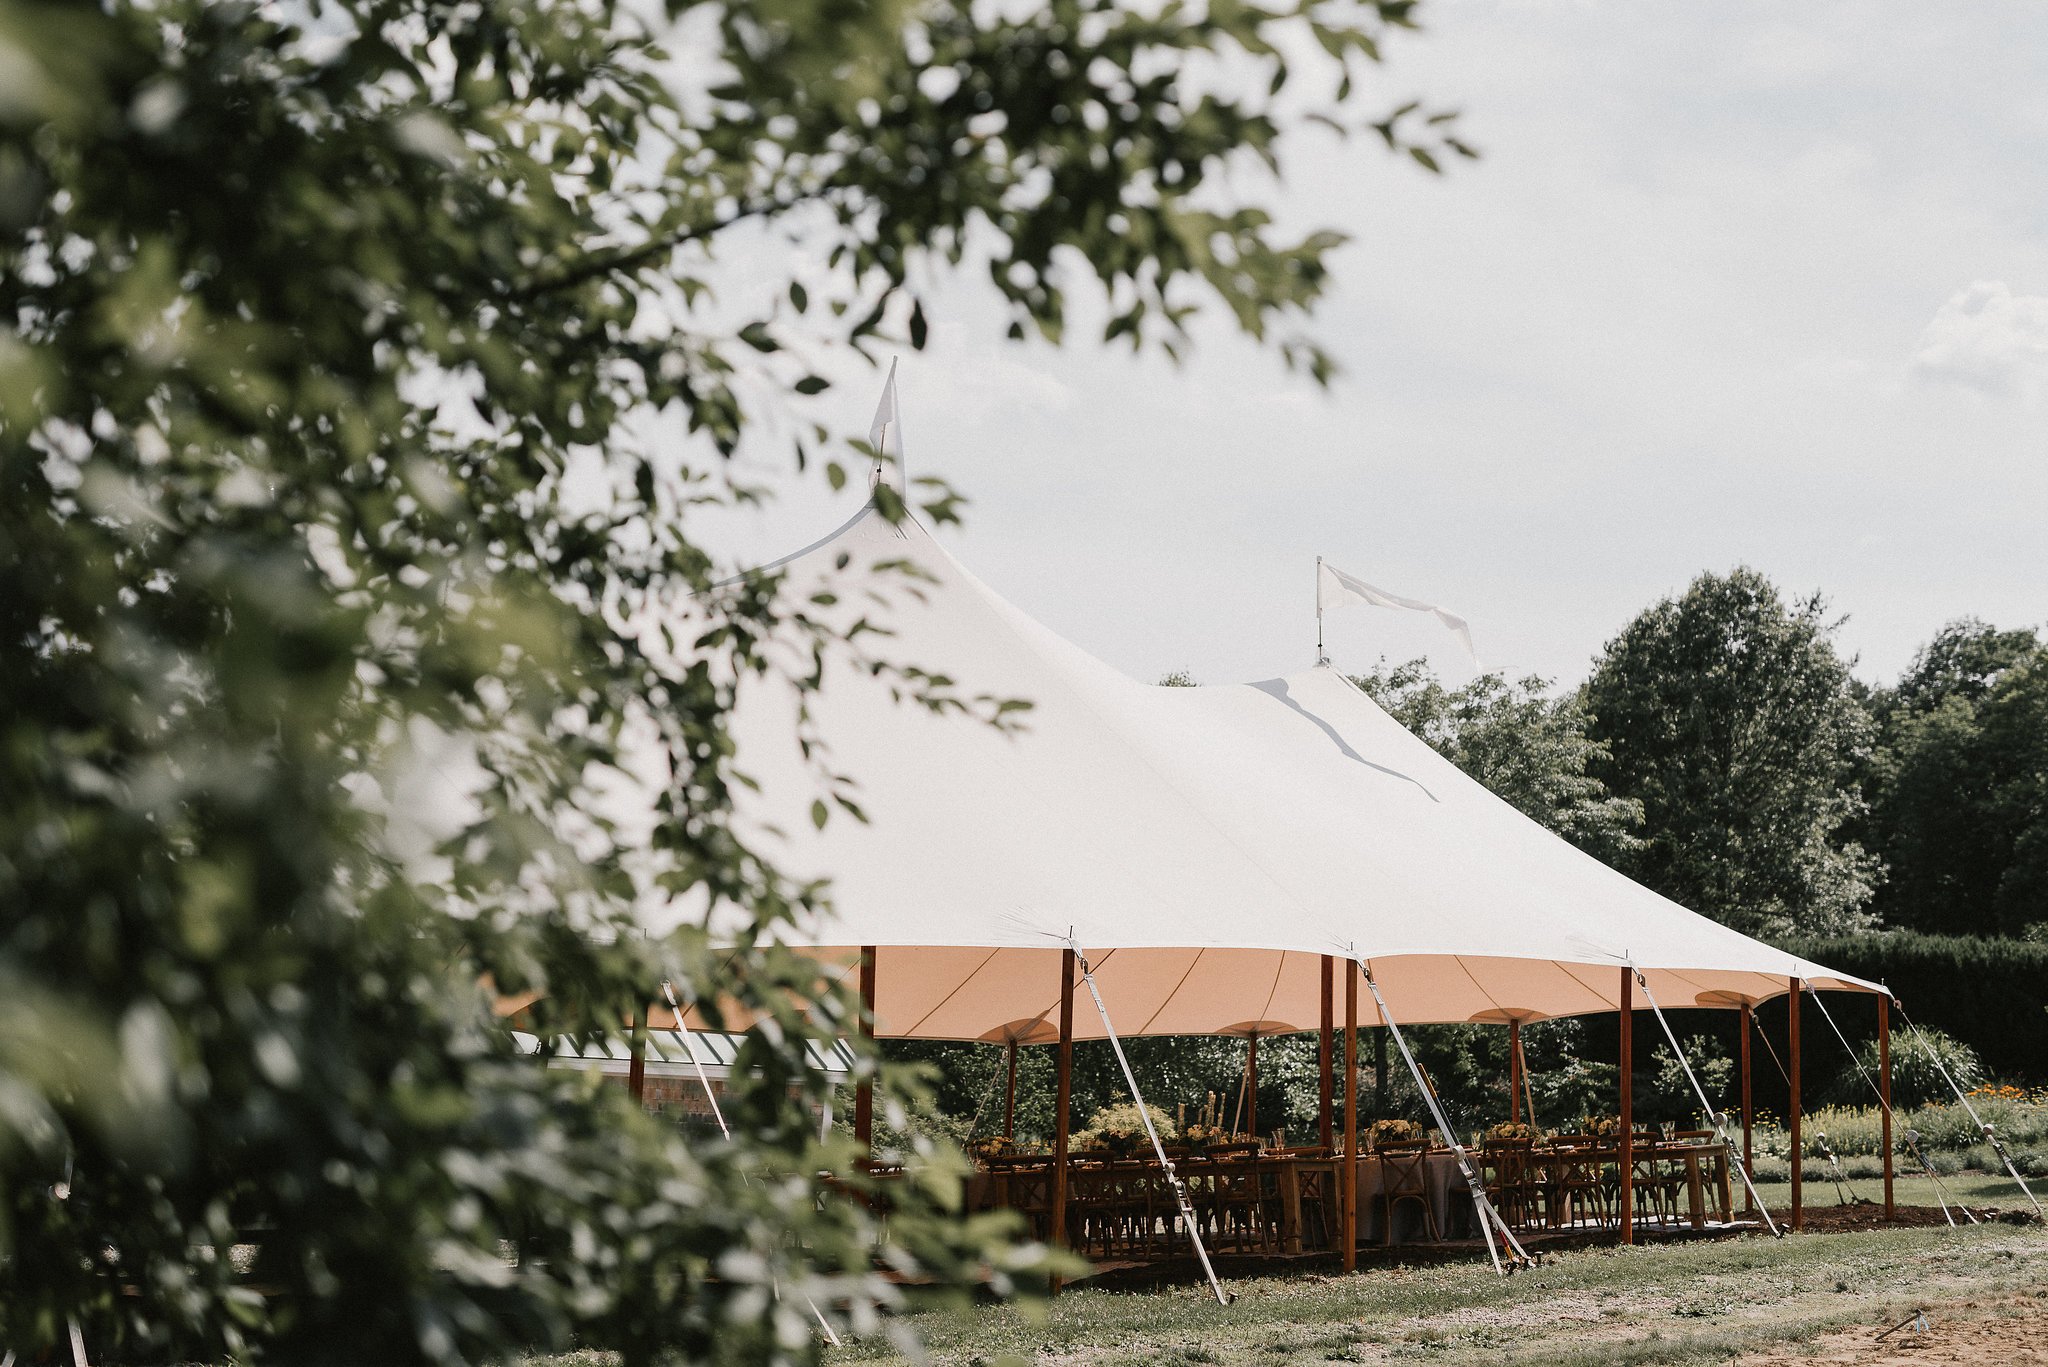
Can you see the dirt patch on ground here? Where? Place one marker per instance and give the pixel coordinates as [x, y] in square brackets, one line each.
[1827, 1219]
[1997, 1333]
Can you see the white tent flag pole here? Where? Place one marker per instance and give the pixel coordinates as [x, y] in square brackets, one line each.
[885, 430]
[1489, 1218]
[704, 1081]
[1321, 657]
[1720, 1116]
[1180, 1191]
[1989, 1133]
[1334, 588]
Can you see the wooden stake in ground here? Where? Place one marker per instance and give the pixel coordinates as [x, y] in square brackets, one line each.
[1792, 1107]
[1063, 1099]
[1626, 1029]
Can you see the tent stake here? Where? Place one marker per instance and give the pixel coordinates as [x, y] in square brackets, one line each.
[1180, 1190]
[1489, 1218]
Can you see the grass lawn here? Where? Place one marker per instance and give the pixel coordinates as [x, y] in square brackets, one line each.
[1706, 1302]
[1977, 1188]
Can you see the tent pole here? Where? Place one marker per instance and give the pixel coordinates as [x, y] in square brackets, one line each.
[1326, 1057]
[1884, 1091]
[1010, 1093]
[1514, 1072]
[1347, 1185]
[864, 1091]
[636, 1069]
[1792, 1004]
[1251, 1087]
[1748, 1110]
[1626, 1030]
[1063, 1098]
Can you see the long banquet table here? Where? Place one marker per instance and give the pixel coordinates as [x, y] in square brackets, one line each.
[1123, 1207]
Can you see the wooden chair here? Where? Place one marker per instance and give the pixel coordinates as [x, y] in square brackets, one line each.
[1577, 1187]
[1507, 1168]
[1404, 1178]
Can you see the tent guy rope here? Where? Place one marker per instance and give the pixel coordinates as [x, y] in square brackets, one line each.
[1180, 1190]
[1990, 1134]
[1489, 1218]
[1720, 1116]
[718, 1113]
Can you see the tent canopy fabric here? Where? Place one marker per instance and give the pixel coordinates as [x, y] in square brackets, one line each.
[1203, 847]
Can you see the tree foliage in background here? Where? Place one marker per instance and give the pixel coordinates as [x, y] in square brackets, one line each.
[317, 657]
[1728, 715]
[1958, 785]
[1526, 745]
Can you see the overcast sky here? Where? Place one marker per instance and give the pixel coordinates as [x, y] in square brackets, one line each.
[1734, 283]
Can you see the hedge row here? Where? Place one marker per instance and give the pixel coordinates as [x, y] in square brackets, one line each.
[1990, 993]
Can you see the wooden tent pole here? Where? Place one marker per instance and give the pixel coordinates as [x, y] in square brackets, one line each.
[1347, 1186]
[864, 1093]
[1010, 1092]
[1792, 1003]
[1884, 1091]
[1251, 1087]
[1626, 1030]
[1514, 1071]
[1748, 1109]
[636, 1068]
[1063, 1099]
[1325, 1057]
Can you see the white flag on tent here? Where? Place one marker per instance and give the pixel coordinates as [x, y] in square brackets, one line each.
[885, 433]
[1334, 588]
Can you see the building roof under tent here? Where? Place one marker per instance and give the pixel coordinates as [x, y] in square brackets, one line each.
[668, 1053]
[1204, 846]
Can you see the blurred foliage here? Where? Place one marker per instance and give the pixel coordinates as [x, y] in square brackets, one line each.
[1727, 713]
[340, 593]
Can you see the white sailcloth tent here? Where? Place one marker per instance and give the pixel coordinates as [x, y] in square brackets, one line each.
[1204, 847]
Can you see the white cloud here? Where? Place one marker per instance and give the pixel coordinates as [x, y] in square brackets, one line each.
[1989, 339]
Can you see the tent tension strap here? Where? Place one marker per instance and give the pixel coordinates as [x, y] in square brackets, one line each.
[1180, 1190]
[1489, 1218]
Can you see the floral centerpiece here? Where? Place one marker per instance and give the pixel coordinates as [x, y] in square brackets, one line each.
[1120, 1130]
[1199, 1136]
[1384, 1132]
[1601, 1126]
[1511, 1130]
[992, 1146]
